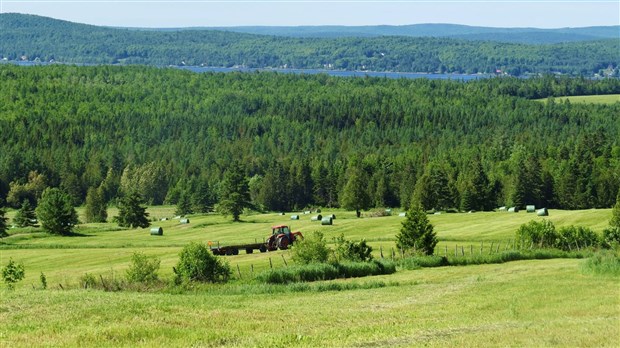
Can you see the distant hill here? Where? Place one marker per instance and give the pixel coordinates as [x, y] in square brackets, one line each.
[28, 37]
[514, 35]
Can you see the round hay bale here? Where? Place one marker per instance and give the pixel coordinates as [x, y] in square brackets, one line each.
[542, 212]
[157, 231]
[326, 220]
[333, 216]
[502, 209]
[530, 208]
[402, 214]
[184, 221]
[316, 218]
[294, 217]
[513, 210]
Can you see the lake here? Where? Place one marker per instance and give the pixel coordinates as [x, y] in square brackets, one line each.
[342, 73]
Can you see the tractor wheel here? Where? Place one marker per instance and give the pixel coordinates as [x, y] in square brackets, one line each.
[283, 243]
[263, 248]
[249, 250]
[235, 251]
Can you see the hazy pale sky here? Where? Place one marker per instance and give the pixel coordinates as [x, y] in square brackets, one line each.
[191, 13]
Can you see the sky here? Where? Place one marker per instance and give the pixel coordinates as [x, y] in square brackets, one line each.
[206, 13]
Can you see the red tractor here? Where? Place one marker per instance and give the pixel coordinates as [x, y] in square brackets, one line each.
[281, 237]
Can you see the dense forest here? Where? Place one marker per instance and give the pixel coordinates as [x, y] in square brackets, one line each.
[302, 140]
[33, 38]
[466, 32]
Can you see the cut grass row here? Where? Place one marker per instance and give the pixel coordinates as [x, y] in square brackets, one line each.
[589, 99]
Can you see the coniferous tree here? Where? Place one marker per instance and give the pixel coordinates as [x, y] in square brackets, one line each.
[417, 232]
[184, 205]
[203, 198]
[56, 212]
[615, 213]
[355, 194]
[26, 215]
[131, 213]
[3, 223]
[96, 207]
[235, 194]
[467, 200]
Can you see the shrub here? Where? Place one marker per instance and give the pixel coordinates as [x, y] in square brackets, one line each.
[12, 273]
[352, 251]
[604, 262]
[312, 249]
[539, 234]
[325, 271]
[611, 238]
[142, 269]
[43, 280]
[417, 232]
[576, 237]
[88, 281]
[197, 263]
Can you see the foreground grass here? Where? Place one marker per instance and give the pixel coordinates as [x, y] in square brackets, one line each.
[523, 303]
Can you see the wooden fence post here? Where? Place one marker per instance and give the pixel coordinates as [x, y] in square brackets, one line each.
[283, 259]
[491, 248]
[239, 271]
[270, 263]
[381, 250]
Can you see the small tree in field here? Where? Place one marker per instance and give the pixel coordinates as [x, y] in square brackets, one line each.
[417, 232]
[197, 263]
[96, 207]
[12, 273]
[56, 212]
[131, 213]
[25, 215]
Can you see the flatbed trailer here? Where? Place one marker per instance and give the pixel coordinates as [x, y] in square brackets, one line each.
[234, 249]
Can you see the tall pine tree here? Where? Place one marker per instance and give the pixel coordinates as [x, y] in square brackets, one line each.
[417, 232]
[96, 207]
[131, 213]
[235, 194]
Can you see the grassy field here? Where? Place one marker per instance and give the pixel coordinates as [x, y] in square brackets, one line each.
[524, 303]
[590, 99]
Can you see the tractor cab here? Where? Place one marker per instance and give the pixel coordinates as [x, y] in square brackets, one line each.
[277, 230]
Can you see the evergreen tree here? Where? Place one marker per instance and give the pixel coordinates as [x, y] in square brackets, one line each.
[467, 200]
[131, 213]
[235, 194]
[96, 207]
[355, 194]
[56, 213]
[3, 223]
[615, 213]
[184, 205]
[25, 216]
[480, 189]
[417, 232]
[202, 199]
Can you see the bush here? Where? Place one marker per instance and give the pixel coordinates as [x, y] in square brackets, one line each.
[352, 251]
[611, 238]
[312, 249]
[416, 232]
[12, 273]
[576, 237]
[540, 234]
[142, 269]
[325, 271]
[197, 263]
[604, 262]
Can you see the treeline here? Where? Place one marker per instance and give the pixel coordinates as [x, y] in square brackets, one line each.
[309, 140]
[32, 37]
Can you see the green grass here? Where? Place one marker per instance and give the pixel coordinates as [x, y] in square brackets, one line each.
[523, 303]
[589, 99]
[520, 303]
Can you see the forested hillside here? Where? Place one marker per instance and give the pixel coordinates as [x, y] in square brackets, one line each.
[26, 37]
[520, 35]
[302, 139]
